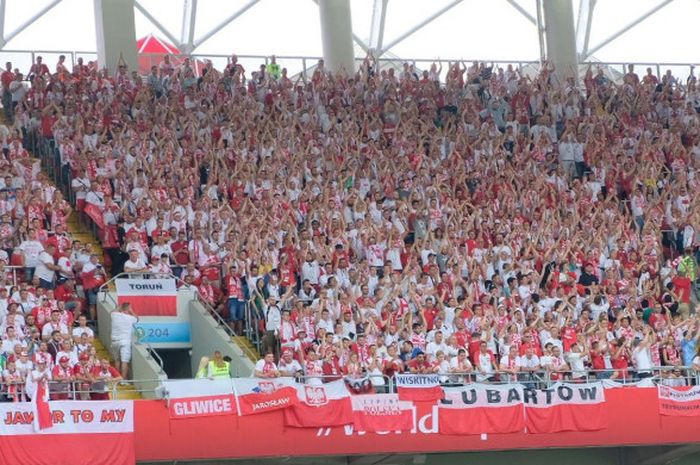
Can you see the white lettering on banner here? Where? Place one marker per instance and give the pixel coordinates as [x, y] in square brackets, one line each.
[425, 424]
[202, 407]
[70, 417]
[271, 403]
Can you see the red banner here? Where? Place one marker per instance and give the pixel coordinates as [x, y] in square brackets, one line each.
[419, 388]
[205, 406]
[93, 211]
[381, 412]
[256, 395]
[322, 405]
[566, 407]
[160, 439]
[481, 409]
[683, 401]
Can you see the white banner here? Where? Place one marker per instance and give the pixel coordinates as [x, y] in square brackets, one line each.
[70, 417]
[183, 388]
[146, 287]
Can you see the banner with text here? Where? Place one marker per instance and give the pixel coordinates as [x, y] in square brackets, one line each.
[683, 401]
[148, 297]
[566, 407]
[79, 433]
[477, 408]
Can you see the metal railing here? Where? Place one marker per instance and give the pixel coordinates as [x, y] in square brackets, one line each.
[303, 64]
[75, 389]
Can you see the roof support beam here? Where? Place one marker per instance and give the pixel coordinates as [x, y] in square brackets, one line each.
[522, 11]
[376, 32]
[189, 17]
[173, 40]
[28, 22]
[627, 28]
[583, 25]
[418, 26]
[224, 23]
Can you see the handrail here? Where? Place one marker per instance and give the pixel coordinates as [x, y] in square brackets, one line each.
[152, 352]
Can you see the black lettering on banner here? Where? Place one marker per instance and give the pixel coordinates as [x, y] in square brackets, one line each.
[565, 392]
[588, 393]
[548, 393]
[513, 395]
[492, 396]
[469, 397]
[530, 396]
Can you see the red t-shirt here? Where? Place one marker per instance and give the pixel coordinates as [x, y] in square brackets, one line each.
[682, 284]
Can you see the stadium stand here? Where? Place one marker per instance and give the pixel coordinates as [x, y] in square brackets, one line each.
[482, 225]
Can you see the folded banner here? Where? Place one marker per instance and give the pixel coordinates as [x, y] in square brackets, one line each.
[149, 297]
[565, 407]
[79, 433]
[373, 413]
[258, 395]
[419, 388]
[682, 401]
[477, 408]
[319, 406]
[611, 384]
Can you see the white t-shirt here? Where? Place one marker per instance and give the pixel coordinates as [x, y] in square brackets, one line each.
[41, 269]
[642, 359]
[525, 362]
[575, 360]
[77, 332]
[122, 326]
[31, 250]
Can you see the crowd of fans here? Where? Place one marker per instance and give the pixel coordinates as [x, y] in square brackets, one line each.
[476, 222]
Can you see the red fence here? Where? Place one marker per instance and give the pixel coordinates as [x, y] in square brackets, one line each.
[633, 420]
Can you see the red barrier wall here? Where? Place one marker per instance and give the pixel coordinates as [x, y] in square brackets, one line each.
[633, 419]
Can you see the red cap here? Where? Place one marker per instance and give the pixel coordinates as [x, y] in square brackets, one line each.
[84, 356]
[63, 359]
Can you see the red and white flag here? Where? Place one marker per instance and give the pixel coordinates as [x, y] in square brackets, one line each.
[260, 395]
[419, 388]
[41, 409]
[682, 401]
[476, 409]
[381, 412]
[322, 405]
[149, 297]
[566, 407]
[81, 433]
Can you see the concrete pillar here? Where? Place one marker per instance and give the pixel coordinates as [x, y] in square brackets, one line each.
[561, 37]
[336, 34]
[115, 33]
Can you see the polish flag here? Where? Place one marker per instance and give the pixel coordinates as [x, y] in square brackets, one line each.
[381, 412]
[567, 407]
[320, 406]
[41, 410]
[419, 388]
[682, 401]
[260, 395]
[476, 409]
[148, 297]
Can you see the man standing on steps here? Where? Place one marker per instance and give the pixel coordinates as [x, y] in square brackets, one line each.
[123, 321]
